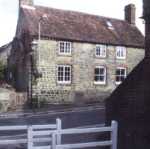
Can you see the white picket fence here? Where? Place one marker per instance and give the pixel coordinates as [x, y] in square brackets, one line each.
[50, 136]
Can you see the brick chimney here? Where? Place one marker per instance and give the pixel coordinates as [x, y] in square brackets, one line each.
[26, 2]
[130, 11]
[146, 16]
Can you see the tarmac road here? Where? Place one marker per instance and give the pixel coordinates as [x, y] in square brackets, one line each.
[71, 118]
[75, 117]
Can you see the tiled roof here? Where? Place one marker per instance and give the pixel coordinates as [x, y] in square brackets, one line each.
[77, 26]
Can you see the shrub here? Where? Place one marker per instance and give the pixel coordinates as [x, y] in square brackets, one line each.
[2, 71]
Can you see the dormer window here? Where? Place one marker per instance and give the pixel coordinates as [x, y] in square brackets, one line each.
[65, 47]
[121, 52]
[100, 51]
[109, 25]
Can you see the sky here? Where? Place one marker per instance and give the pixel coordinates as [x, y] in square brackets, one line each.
[108, 8]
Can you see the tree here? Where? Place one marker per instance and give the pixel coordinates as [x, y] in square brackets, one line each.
[2, 71]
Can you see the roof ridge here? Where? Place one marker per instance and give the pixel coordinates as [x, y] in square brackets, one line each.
[79, 12]
[83, 27]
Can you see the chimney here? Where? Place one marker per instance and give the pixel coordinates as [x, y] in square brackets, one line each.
[146, 16]
[26, 2]
[130, 13]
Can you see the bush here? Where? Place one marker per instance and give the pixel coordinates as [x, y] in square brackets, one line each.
[2, 71]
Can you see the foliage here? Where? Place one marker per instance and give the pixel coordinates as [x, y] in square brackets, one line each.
[2, 71]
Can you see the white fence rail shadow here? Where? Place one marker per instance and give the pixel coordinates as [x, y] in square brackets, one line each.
[50, 136]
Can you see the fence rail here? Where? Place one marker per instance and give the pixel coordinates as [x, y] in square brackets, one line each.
[51, 135]
[112, 142]
[33, 134]
[84, 145]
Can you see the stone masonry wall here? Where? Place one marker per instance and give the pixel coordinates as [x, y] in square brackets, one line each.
[83, 62]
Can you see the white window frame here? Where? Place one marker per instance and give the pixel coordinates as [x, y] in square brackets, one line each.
[121, 52]
[63, 81]
[102, 51]
[67, 51]
[125, 75]
[105, 73]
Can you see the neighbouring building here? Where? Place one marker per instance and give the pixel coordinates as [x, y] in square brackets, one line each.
[129, 104]
[65, 56]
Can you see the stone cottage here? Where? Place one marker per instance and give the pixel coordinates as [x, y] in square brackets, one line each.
[66, 56]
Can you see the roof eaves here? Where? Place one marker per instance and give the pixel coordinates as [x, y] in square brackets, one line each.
[87, 41]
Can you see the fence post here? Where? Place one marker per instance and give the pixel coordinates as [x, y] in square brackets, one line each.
[30, 138]
[58, 122]
[114, 134]
[54, 140]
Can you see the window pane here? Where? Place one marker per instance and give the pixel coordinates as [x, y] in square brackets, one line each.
[65, 47]
[96, 78]
[122, 78]
[68, 47]
[122, 71]
[60, 73]
[64, 73]
[98, 51]
[101, 71]
[62, 46]
[120, 74]
[101, 78]
[60, 68]
[120, 52]
[101, 50]
[100, 74]
[96, 71]
[117, 79]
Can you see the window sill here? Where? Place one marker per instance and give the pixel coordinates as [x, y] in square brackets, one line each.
[64, 83]
[118, 83]
[121, 58]
[96, 56]
[100, 83]
[65, 54]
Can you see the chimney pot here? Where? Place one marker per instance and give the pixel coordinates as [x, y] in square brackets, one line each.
[130, 12]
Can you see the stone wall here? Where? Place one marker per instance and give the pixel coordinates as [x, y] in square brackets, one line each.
[11, 100]
[83, 62]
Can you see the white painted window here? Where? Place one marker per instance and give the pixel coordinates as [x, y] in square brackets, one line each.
[100, 51]
[121, 52]
[120, 74]
[65, 47]
[100, 75]
[64, 74]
